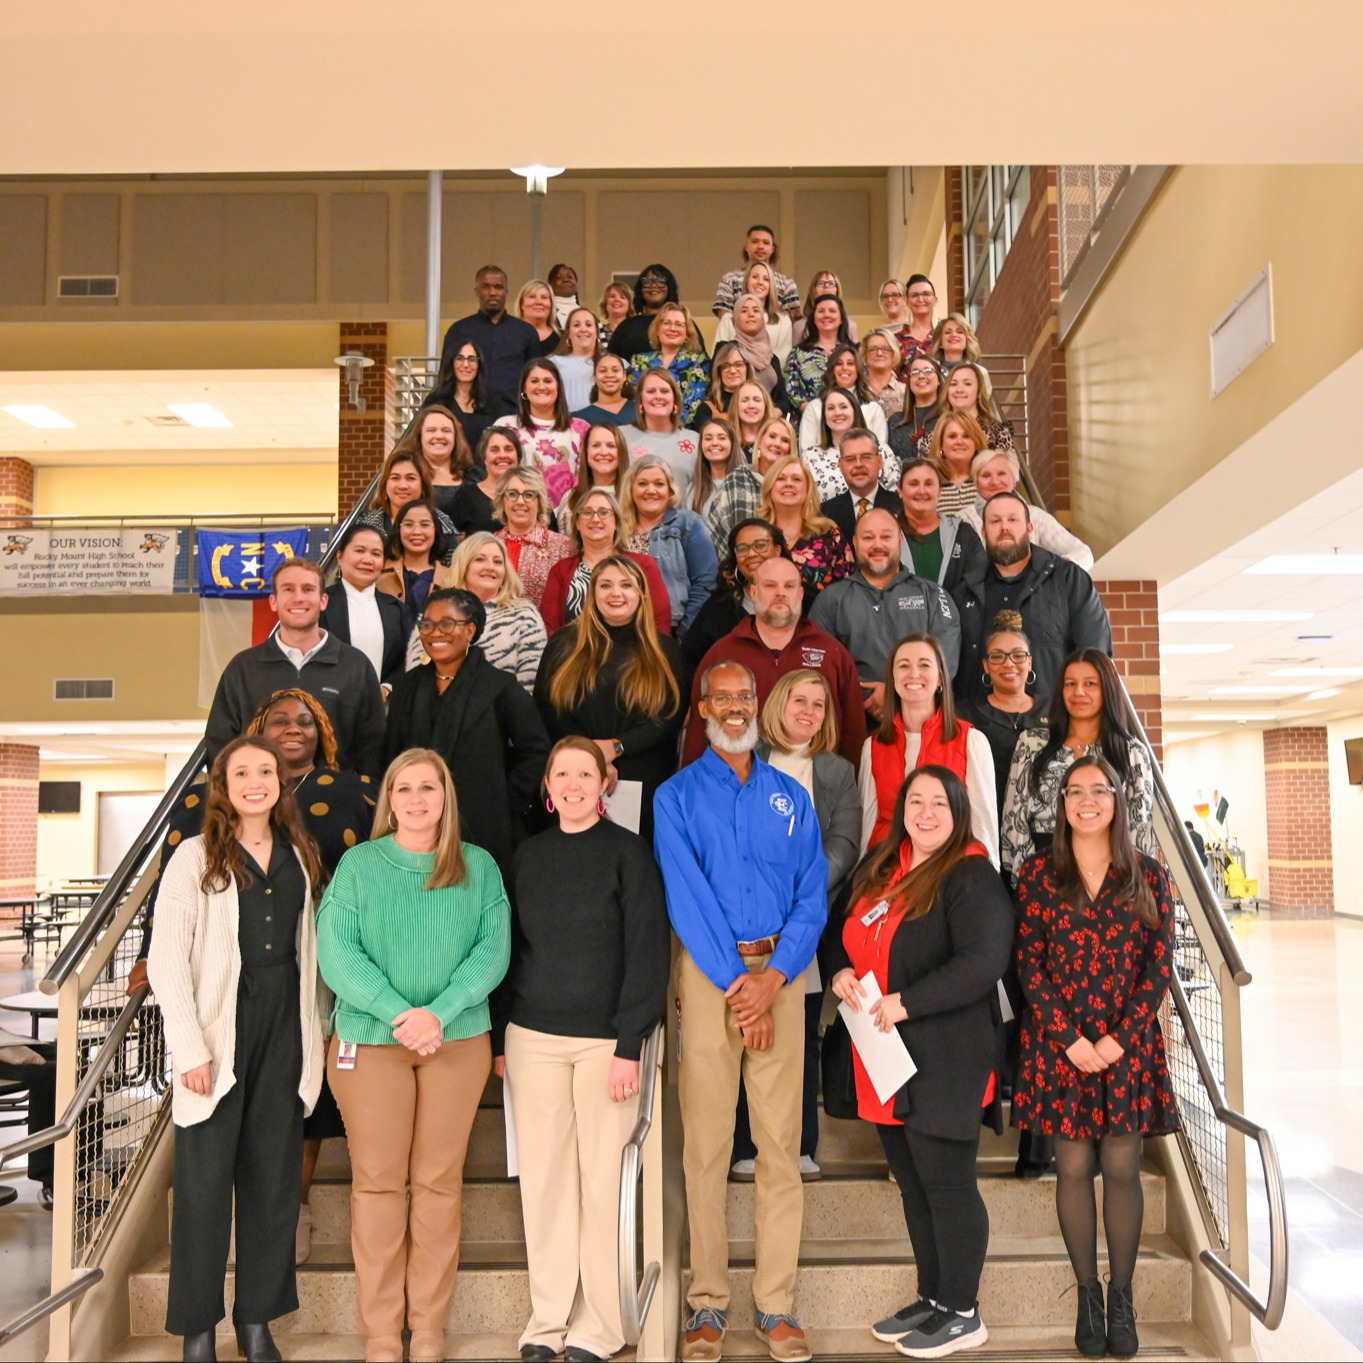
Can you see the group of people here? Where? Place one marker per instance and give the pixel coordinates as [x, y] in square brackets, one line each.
[554, 714]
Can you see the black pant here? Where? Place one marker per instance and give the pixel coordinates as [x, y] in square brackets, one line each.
[253, 1142]
[946, 1216]
[809, 1111]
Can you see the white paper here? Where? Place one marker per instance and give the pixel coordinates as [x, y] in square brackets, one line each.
[513, 1163]
[889, 1066]
[1005, 1007]
[625, 804]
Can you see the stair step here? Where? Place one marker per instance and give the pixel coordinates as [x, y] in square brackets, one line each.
[155, 1348]
[492, 1211]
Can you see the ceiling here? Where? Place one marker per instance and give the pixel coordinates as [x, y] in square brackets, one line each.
[126, 742]
[123, 412]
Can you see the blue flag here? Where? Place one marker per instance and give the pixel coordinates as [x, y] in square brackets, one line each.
[241, 563]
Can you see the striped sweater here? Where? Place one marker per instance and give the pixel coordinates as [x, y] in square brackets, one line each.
[385, 943]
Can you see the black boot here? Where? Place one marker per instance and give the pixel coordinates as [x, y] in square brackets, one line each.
[201, 1348]
[1121, 1321]
[256, 1345]
[1090, 1335]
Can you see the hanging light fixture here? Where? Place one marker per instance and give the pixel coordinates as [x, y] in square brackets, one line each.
[354, 365]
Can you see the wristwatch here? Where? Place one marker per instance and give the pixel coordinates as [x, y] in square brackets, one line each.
[619, 748]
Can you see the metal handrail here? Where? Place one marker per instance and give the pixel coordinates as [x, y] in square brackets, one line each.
[1270, 1312]
[98, 1068]
[27, 1319]
[636, 1297]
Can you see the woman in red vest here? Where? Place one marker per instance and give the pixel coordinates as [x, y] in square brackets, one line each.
[923, 729]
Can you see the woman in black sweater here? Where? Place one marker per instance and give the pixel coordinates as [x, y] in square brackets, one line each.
[611, 677]
[931, 919]
[590, 953]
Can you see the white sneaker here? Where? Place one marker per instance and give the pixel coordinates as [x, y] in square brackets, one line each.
[744, 1171]
[809, 1171]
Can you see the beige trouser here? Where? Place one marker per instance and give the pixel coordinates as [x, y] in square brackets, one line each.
[712, 1053]
[407, 1120]
[569, 1137]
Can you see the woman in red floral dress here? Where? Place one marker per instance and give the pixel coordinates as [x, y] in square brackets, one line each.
[1095, 953]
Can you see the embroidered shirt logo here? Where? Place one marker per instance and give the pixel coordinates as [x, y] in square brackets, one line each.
[812, 657]
[782, 804]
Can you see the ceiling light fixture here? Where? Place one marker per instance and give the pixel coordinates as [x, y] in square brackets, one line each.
[354, 365]
[1233, 617]
[1325, 694]
[199, 414]
[44, 418]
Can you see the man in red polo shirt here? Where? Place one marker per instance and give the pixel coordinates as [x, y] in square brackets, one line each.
[774, 641]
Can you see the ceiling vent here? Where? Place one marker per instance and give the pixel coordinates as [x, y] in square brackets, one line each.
[1243, 332]
[87, 286]
[83, 688]
[167, 419]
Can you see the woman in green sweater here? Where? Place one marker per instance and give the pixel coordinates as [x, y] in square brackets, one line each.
[413, 936]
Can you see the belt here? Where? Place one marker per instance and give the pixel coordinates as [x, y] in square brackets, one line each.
[764, 946]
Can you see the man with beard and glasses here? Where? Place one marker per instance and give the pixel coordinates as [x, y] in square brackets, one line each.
[775, 640]
[742, 860]
[1060, 608]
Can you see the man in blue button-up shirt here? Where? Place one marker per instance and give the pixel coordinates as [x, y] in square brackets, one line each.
[743, 863]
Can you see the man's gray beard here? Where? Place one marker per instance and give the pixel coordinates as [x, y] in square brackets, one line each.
[721, 741]
[1006, 555]
[786, 620]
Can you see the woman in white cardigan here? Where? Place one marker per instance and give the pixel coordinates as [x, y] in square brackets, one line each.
[234, 967]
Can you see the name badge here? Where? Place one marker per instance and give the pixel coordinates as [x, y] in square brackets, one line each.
[873, 915]
[346, 1055]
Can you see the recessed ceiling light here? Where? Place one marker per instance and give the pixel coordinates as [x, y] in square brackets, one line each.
[1325, 694]
[1318, 672]
[44, 418]
[1308, 565]
[199, 413]
[1196, 648]
[1233, 617]
[1255, 690]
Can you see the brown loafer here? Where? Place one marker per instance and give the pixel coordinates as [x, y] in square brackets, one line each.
[703, 1341]
[783, 1337]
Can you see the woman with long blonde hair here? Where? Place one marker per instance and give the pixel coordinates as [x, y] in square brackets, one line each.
[790, 501]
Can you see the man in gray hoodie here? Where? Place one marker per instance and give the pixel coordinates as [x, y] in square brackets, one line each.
[870, 612]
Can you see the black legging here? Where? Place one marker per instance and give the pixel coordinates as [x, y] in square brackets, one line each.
[946, 1216]
[1076, 1164]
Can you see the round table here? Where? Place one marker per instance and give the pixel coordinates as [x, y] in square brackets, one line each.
[33, 1002]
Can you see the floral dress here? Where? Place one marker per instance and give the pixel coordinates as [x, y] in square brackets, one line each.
[822, 559]
[553, 452]
[1092, 970]
[804, 374]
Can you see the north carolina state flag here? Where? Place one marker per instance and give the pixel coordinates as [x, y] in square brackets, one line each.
[225, 628]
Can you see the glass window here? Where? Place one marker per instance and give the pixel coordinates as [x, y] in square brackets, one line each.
[995, 207]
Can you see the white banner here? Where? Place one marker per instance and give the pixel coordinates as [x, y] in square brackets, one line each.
[80, 561]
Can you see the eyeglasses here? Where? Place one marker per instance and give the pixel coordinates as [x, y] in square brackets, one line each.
[922, 371]
[447, 626]
[515, 495]
[733, 364]
[721, 701]
[997, 656]
[879, 350]
[752, 547]
[918, 296]
[466, 359]
[596, 513]
[890, 293]
[1089, 792]
[649, 280]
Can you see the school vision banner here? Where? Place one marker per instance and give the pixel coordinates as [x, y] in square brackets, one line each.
[75, 562]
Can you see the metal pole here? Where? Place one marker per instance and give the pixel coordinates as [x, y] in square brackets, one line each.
[536, 205]
[433, 206]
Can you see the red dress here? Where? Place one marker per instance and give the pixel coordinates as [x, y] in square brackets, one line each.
[1092, 970]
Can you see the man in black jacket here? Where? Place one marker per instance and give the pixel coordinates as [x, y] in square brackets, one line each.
[860, 464]
[506, 343]
[301, 653]
[1061, 610]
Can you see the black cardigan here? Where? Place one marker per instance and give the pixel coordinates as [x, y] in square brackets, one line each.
[946, 966]
[489, 732]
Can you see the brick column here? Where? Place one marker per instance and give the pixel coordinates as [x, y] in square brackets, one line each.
[1133, 608]
[16, 487]
[1297, 794]
[18, 816]
[364, 438]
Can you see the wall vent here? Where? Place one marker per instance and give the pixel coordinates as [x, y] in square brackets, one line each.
[1243, 332]
[83, 688]
[87, 286]
[167, 419]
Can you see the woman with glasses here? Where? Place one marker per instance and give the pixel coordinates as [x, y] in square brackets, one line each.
[825, 284]
[477, 717]
[521, 505]
[675, 347]
[729, 371]
[750, 543]
[611, 399]
[464, 389]
[924, 395]
[921, 298]
[880, 361]
[598, 532]
[1095, 955]
[656, 286]
[1086, 715]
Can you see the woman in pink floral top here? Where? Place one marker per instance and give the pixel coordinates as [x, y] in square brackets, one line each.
[790, 501]
[552, 439]
[521, 503]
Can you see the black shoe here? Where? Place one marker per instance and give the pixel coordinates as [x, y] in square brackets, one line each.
[201, 1348]
[45, 1197]
[1122, 1341]
[572, 1354]
[1090, 1333]
[537, 1353]
[256, 1345]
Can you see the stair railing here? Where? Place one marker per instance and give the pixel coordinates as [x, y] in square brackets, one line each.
[636, 1296]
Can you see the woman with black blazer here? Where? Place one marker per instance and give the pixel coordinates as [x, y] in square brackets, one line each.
[477, 717]
[358, 613]
[931, 919]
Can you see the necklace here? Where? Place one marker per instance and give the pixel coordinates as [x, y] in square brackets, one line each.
[293, 789]
[442, 681]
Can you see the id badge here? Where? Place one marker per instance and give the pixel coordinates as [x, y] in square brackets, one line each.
[346, 1055]
[873, 916]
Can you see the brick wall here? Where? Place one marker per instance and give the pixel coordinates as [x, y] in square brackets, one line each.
[1133, 608]
[16, 487]
[364, 438]
[1020, 319]
[18, 816]
[1297, 794]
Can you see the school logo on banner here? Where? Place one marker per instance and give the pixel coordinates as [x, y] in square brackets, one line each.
[241, 563]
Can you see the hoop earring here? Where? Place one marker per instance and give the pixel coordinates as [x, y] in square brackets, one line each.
[986, 681]
[1031, 677]
[549, 803]
[392, 822]
[601, 805]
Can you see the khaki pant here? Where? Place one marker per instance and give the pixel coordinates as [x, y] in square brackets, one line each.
[407, 1120]
[569, 1137]
[712, 1053]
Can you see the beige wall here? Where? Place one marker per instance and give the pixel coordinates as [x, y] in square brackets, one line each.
[227, 488]
[68, 844]
[1346, 819]
[1142, 424]
[915, 213]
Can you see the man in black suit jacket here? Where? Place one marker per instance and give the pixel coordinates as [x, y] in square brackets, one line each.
[360, 557]
[860, 462]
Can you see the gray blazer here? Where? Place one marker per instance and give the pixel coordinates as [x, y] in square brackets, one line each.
[837, 804]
